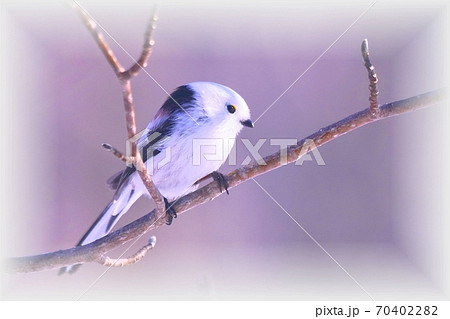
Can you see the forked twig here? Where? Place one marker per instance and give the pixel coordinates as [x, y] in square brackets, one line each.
[124, 77]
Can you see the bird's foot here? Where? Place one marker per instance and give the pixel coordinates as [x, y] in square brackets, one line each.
[170, 212]
[221, 180]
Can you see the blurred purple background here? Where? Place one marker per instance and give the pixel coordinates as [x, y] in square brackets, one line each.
[379, 206]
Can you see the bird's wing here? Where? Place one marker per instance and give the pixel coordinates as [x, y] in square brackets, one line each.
[159, 130]
[149, 145]
[113, 181]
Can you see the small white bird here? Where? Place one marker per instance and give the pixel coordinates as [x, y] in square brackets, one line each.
[189, 138]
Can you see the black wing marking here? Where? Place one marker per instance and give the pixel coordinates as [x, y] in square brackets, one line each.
[149, 146]
[183, 96]
[180, 101]
[113, 181]
[117, 180]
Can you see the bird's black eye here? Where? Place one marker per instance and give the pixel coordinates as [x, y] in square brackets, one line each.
[231, 108]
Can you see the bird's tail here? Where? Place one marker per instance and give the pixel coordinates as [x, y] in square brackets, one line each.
[123, 199]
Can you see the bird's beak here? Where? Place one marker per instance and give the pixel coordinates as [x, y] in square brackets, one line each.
[248, 123]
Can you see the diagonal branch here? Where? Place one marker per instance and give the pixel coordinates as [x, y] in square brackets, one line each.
[94, 251]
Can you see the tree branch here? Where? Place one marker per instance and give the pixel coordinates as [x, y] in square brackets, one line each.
[94, 251]
[124, 77]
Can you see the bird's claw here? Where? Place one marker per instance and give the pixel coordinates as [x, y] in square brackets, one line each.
[170, 212]
[221, 180]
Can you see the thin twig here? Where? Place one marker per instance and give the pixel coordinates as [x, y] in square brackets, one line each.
[91, 25]
[373, 79]
[93, 251]
[117, 153]
[147, 48]
[121, 262]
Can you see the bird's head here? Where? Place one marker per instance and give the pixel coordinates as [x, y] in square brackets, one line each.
[222, 105]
